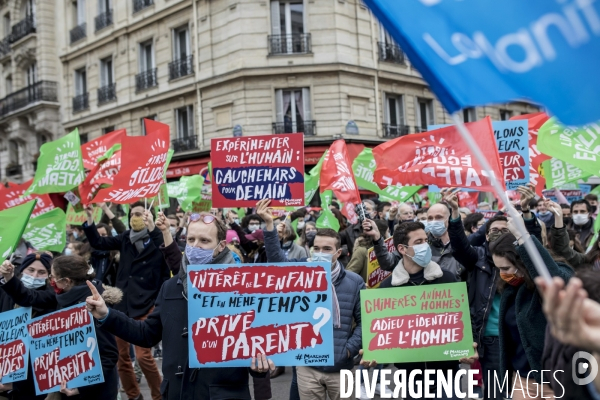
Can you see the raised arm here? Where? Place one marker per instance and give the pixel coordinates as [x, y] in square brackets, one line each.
[462, 250]
[44, 299]
[96, 241]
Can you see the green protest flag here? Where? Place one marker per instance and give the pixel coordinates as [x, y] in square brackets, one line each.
[12, 224]
[364, 167]
[434, 197]
[169, 156]
[109, 153]
[78, 218]
[311, 180]
[241, 212]
[558, 172]
[187, 191]
[125, 218]
[578, 146]
[327, 219]
[596, 190]
[433, 324]
[59, 167]
[47, 232]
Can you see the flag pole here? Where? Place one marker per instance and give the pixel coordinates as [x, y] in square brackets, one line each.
[536, 258]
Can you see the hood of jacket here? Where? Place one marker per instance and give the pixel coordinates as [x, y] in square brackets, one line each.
[400, 275]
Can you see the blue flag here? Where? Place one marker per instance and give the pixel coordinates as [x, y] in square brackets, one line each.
[475, 52]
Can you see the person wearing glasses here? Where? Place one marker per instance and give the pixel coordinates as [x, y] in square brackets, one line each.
[205, 244]
[142, 271]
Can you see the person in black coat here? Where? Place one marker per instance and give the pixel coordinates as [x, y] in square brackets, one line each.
[169, 322]
[68, 278]
[141, 273]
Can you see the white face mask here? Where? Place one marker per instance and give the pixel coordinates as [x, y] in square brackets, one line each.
[253, 227]
[301, 224]
[581, 219]
[173, 230]
[32, 283]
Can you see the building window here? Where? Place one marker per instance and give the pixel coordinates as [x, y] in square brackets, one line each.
[83, 138]
[293, 112]
[108, 129]
[28, 8]
[182, 64]
[80, 101]
[8, 85]
[6, 24]
[394, 116]
[80, 27]
[287, 28]
[41, 139]
[147, 76]
[505, 115]
[388, 49]
[469, 114]
[107, 90]
[31, 75]
[152, 117]
[105, 15]
[425, 115]
[186, 139]
[139, 5]
[13, 152]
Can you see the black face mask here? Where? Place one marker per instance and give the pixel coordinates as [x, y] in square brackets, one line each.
[594, 208]
[567, 220]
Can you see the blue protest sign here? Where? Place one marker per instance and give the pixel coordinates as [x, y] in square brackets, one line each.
[476, 52]
[238, 311]
[14, 344]
[512, 141]
[64, 348]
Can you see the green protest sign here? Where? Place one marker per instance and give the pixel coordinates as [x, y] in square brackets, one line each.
[47, 232]
[420, 323]
[364, 167]
[579, 146]
[327, 219]
[78, 218]
[12, 224]
[59, 167]
[558, 172]
[311, 180]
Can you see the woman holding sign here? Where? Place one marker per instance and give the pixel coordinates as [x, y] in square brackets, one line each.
[522, 322]
[68, 278]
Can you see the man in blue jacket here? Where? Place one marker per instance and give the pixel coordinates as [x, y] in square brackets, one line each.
[318, 382]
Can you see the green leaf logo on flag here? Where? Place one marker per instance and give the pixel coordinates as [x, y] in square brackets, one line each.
[47, 232]
[578, 146]
[327, 219]
[364, 167]
[12, 224]
[558, 173]
[59, 167]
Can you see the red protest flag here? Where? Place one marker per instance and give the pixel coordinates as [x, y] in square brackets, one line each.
[13, 196]
[536, 158]
[102, 174]
[92, 150]
[143, 161]
[439, 157]
[337, 175]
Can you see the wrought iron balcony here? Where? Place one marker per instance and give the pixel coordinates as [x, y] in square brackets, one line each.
[295, 43]
[391, 52]
[78, 33]
[419, 129]
[185, 144]
[80, 102]
[182, 67]
[23, 28]
[14, 170]
[391, 131]
[103, 20]
[39, 91]
[309, 128]
[139, 5]
[146, 80]
[5, 46]
[107, 93]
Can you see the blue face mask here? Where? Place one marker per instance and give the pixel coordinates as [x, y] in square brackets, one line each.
[322, 257]
[75, 235]
[422, 255]
[198, 256]
[113, 231]
[68, 252]
[32, 283]
[426, 225]
[437, 228]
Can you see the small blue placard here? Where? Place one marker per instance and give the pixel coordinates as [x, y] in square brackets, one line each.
[14, 344]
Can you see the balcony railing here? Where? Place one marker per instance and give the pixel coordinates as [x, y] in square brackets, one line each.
[295, 43]
[182, 67]
[185, 144]
[80, 102]
[78, 33]
[5, 46]
[107, 93]
[391, 52]
[14, 170]
[390, 131]
[39, 91]
[103, 20]
[146, 80]
[139, 5]
[419, 129]
[309, 128]
[23, 28]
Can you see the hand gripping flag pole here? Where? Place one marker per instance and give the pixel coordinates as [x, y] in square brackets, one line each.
[528, 241]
